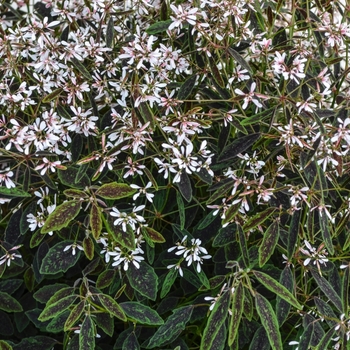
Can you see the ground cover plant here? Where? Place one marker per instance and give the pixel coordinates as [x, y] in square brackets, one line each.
[174, 174]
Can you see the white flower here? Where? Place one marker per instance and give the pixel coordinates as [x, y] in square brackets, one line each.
[73, 246]
[8, 257]
[126, 257]
[142, 190]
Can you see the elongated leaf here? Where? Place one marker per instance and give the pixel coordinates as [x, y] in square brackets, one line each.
[58, 260]
[105, 322]
[283, 306]
[141, 313]
[9, 303]
[74, 315]
[35, 343]
[173, 326]
[13, 192]
[305, 339]
[56, 325]
[105, 279]
[112, 306]
[248, 305]
[185, 187]
[243, 245]
[168, 282]
[5, 346]
[61, 216]
[52, 292]
[81, 68]
[268, 243]
[225, 236]
[293, 232]
[260, 340]
[216, 73]
[187, 87]
[237, 310]
[345, 289]
[88, 246]
[110, 32]
[326, 311]
[207, 221]
[131, 343]
[269, 321]
[327, 289]
[56, 308]
[115, 190]
[258, 219]
[239, 59]
[71, 178]
[238, 146]
[181, 206]
[153, 235]
[326, 339]
[144, 280]
[274, 286]
[52, 95]
[326, 235]
[158, 27]
[215, 321]
[87, 334]
[95, 221]
[318, 331]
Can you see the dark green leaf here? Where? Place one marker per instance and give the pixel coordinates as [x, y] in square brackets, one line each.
[153, 235]
[88, 246]
[258, 219]
[81, 68]
[126, 239]
[225, 236]
[105, 322]
[327, 289]
[110, 32]
[13, 192]
[293, 232]
[30, 209]
[216, 319]
[173, 326]
[9, 303]
[204, 279]
[13, 231]
[141, 313]
[187, 88]
[274, 286]
[240, 60]
[248, 305]
[11, 285]
[216, 72]
[260, 340]
[44, 294]
[185, 187]
[305, 339]
[52, 95]
[326, 235]
[112, 306]
[91, 266]
[345, 288]
[268, 243]
[131, 343]
[326, 339]
[269, 321]
[35, 343]
[56, 325]
[51, 310]
[74, 315]
[282, 306]
[87, 334]
[326, 311]
[158, 27]
[144, 280]
[237, 310]
[115, 190]
[243, 245]
[181, 206]
[69, 177]
[105, 279]
[61, 216]
[95, 221]
[58, 260]
[146, 114]
[238, 146]
[168, 282]
[207, 221]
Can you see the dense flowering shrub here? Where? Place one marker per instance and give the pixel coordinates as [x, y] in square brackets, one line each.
[174, 175]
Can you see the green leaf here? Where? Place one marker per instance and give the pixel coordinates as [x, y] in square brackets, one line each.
[9, 303]
[146, 114]
[131, 343]
[239, 59]
[5, 346]
[57, 260]
[207, 221]
[187, 88]
[326, 311]
[88, 246]
[52, 95]
[328, 290]
[105, 322]
[269, 321]
[274, 286]
[112, 306]
[87, 334]
[243, 245]
[153, 235]
[56, 325]
[115, 190]
[216, 72]
[248, 305]
[326, 235]
[282, 306]
[158, 27]
[141, 313]
[95, 221]
[293, 232]
[181, 206]
[110, 32]
[237, 310]
[258, 219]
[105, 278]
[305, 339]
[53, 309]
[225, 236]
[61, 216]
[269, 243]
[216, 319]
[126, 239]
[260, 340]
[69, 177]
[185, 187]
[81, 68]
[44, 294]
[36, 343]
[326, 339]
[237, 146]
[168, 282]
[345, 289]
[173, 326]
[13, 192]
[144, 280]
[204, 279]
[74, 315]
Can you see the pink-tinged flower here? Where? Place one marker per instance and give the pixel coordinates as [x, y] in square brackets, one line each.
[8, 257]
[317, 256]
[49, 165]
[5, 177]
[182, 16]
[249, 97]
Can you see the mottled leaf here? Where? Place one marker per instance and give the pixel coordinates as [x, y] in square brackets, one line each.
[88, 246]
[225, 236]
[105, 279]
[181, 206]
[283, 306]
[74, 315]
[173, 326]
[239, 59]
[268, 243]
[237, 310]
[56, 325]
[258, 219]
[187, 88]
[243, 245]
[115, 190]
[345, 288]
[61, 216]
[144, 280]
[305, 339]
[326, 235]
[141, 313]
[13, 192]
[112, 306]
[153, 235]
[326, 339]
[131, 343]
[237, 146]
[269, 321]
[9, 303]
[105, 322]
[35, 343]
[110, 32]
[168, 282]
[274, 286]
[53, 309]
[58, 260]
[44, 294]
[326, 311]
[217, 317]
[70, 177]
[293, 232]
[87, 334]
[260, 340]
